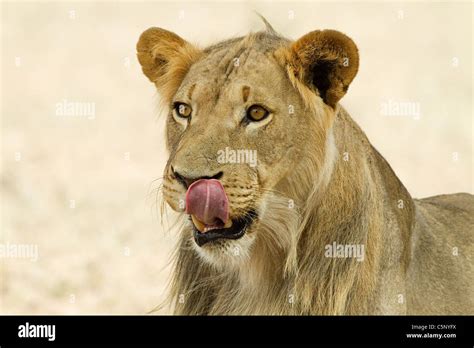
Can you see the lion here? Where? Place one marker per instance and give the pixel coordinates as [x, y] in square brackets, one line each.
[280, 237]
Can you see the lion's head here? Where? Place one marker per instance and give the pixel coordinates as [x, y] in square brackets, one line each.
[248, 132]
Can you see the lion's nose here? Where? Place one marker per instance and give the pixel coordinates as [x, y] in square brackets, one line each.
[187, 178]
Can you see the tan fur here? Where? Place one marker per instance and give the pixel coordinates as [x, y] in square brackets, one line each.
[318, 181]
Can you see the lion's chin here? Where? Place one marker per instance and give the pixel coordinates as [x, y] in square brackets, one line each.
[226, 253]
[235, 229]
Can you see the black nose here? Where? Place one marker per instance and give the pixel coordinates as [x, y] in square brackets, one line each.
[187, 180]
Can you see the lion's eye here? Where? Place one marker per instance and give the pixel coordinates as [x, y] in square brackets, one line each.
[257, 113]
[183, 110]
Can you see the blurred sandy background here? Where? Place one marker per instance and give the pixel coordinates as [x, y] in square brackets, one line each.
[81, 188]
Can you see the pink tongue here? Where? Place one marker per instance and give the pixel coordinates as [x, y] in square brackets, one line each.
[206, 200]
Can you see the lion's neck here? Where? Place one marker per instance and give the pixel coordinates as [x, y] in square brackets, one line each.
[359, 208]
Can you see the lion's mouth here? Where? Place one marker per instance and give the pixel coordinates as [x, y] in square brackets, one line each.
[233, 229]
[208, 206]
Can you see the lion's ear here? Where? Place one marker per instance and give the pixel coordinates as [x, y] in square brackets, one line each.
[326, 60]
[165, 58]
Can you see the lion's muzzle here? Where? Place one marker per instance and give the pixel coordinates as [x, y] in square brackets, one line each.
[208, 206]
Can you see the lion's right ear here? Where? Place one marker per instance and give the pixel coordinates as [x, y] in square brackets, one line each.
[165, 59]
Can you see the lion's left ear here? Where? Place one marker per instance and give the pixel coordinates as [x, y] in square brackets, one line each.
[326, 60]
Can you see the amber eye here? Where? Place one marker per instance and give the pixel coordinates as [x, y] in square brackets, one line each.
[182, 110]
[257, 113]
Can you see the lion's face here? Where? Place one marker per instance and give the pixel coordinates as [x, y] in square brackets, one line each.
[238, 126]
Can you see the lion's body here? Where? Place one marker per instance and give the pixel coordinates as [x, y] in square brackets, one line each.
[319, 181]
[440, 276]
[419, 252]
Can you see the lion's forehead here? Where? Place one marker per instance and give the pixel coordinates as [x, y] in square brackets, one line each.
[222, 68]
[246, 62]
